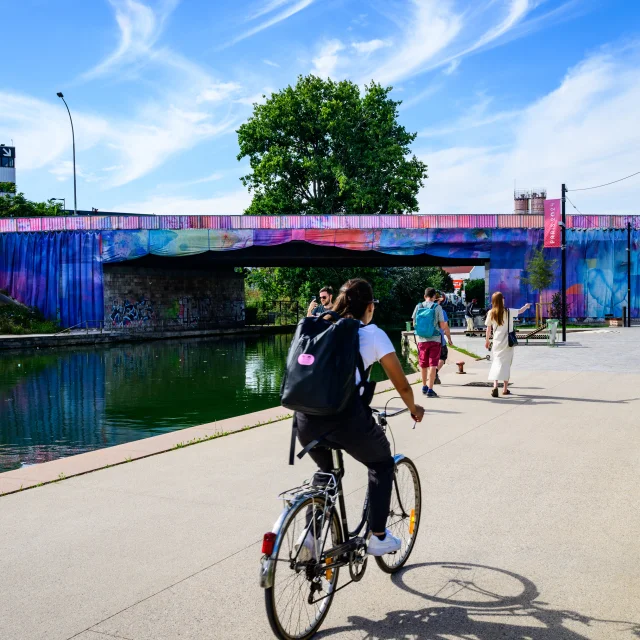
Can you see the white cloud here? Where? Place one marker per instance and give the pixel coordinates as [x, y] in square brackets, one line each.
[289, 11]
[42, 130]
[325, 63]
[218, 92]
[140, 27]
[270, 63]
[428, 29]
[478, 116]
[256, 98]
[583, 133]
[232, 203]
[428, 92]
[452, 67]
[368, 47]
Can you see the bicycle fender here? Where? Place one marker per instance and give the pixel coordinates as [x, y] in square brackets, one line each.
[398, 457]
[267, 564]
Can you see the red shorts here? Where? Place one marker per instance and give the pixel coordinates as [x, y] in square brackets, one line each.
[428, 354]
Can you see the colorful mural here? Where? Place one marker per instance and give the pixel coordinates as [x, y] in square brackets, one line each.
[60, 272]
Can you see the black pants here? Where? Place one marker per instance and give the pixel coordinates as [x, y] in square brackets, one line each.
[357, 434]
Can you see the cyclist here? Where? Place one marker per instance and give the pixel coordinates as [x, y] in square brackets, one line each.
[354, 430]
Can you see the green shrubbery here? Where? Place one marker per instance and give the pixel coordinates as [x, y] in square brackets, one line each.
[19, 320]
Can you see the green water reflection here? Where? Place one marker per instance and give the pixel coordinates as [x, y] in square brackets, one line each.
[58, 403]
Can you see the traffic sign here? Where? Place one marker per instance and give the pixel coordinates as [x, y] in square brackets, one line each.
[8, 152]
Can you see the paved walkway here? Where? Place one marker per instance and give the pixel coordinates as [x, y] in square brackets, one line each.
[529, 531]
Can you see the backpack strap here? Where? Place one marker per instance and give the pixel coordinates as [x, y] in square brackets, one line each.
[294, 436]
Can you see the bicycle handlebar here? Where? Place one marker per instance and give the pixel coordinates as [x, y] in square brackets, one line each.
[390, 413]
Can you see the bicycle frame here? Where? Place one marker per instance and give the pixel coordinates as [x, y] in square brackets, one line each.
[301, 494]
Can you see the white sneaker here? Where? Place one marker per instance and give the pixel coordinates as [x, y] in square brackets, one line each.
[377, 547]
[307, 546]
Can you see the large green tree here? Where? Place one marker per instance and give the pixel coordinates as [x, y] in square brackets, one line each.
[323, 147]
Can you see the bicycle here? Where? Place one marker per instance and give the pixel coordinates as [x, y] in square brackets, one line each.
[299, 582]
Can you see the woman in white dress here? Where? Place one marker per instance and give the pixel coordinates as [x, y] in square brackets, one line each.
[500, 322]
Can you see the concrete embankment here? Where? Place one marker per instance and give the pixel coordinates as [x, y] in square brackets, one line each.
[92, 337]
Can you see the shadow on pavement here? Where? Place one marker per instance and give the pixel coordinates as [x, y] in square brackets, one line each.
[478, 602]
[537, 399]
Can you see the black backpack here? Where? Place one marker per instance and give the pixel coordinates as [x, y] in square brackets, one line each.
[321, 366]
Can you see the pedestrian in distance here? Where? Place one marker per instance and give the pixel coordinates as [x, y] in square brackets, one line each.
[326, 302]
[445, 343]
[428, 319]
[500, 323]
[468, 314]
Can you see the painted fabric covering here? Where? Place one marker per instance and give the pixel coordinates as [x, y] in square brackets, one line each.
[59, 273]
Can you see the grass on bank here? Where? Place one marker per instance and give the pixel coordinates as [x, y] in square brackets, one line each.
[467, 353]
[19, 320]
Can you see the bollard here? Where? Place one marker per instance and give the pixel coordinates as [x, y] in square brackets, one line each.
[460, 367]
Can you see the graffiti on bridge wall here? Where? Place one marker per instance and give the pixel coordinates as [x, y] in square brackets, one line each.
[191, 311]
[194, 310]
[128, 313]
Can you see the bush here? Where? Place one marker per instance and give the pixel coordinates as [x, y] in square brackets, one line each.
[474, 290]
[19, 320]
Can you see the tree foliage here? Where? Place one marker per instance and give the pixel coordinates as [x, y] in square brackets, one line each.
[475, 290]
[540, 272]
[17, 206]
[398, 289]
[321, 147]
[7, 187]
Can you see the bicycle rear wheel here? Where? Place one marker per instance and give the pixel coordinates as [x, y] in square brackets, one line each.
[404, 514]
[302, 591]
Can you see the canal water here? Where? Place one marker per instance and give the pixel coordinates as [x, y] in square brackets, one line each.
[57, 403]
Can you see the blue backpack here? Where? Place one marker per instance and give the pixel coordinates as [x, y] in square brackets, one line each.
[426, 325]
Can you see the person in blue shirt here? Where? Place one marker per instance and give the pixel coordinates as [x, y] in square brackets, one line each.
[444, 332]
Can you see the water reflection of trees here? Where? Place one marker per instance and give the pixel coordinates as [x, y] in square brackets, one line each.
[66, 402]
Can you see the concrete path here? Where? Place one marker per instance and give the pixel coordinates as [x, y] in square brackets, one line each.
[529, 531]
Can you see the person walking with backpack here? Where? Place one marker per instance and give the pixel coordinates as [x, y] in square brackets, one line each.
[332, 402]
[500, 322]
[428, 319]
[445, 334]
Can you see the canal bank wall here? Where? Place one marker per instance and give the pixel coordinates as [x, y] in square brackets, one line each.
[93, 337]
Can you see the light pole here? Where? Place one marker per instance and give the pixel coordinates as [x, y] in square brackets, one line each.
[73, 138]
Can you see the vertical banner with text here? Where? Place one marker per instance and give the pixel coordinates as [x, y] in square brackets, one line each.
[552, 218]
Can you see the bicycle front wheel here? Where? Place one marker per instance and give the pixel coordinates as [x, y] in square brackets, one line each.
[303, 583]
[404, 514]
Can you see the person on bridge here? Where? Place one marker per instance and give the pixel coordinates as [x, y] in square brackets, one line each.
[326, 302]
[500, 322]
[354, 430]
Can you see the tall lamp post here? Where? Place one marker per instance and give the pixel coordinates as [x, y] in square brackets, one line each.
[73, 138]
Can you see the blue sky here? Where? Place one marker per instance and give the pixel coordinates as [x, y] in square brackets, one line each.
[501, 92]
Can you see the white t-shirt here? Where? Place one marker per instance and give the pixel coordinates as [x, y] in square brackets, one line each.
[374, 345]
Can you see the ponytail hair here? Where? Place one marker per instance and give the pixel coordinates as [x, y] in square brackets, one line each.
[354, 298]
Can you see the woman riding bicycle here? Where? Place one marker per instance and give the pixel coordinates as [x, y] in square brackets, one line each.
[354, 430]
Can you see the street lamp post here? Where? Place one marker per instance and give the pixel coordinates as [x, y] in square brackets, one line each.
[73, 139]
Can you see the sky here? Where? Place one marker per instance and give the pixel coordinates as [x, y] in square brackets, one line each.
[502, 94]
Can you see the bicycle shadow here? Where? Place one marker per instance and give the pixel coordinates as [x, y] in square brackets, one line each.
[480, 603]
